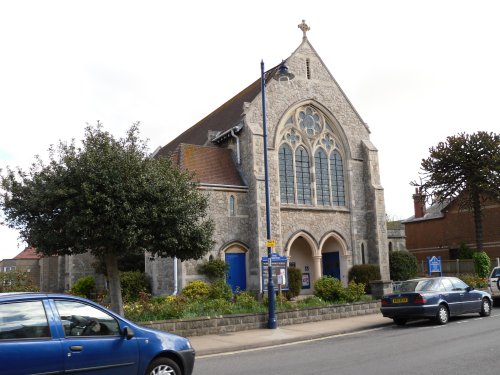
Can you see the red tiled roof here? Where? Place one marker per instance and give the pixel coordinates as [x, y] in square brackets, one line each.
[28, 253]
[211, 165]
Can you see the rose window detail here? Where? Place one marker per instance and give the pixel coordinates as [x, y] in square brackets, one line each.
[310, 121]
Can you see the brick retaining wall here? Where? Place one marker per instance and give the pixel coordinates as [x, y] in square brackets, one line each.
[242, 322]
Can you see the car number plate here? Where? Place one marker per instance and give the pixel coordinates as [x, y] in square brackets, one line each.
[400, 300]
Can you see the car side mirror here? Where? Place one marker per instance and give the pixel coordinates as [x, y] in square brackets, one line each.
[469, 288]
[128, 333]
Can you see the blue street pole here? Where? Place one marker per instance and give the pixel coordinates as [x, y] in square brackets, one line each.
[270, 286]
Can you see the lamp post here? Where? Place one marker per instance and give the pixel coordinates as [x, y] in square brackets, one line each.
[283, 75]
[270, 285]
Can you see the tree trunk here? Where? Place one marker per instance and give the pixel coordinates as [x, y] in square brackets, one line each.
[478, 220]
[115, 290]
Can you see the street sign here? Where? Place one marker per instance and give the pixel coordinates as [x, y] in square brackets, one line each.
[271, 243]
[434, 265]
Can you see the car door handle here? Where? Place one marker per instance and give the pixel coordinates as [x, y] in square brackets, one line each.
[76, 348]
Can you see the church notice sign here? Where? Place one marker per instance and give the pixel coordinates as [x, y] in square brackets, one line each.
[279, 264]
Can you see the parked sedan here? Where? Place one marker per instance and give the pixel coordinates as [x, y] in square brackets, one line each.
[436, 298]
[56, 333]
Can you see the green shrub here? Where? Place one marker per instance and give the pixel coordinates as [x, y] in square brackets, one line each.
[214, 269]
[294, 282]
[196, 290]
[465, 252]
[474, 281]
[329, 288]
[403, 265]
[219, 289]
[355, 291]
[133, 283]
[482, 264]
[246, 301]
[364, 273]
[16, 281]
[84, 287]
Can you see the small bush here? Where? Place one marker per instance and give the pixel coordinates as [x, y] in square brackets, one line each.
[355, 291]
[403, 265]
[364, 273]
[482, 264]
[214, 269]
[16, 281]
[196, 290]
[294, 282]
[465, 252]
[133, 284]
[474, 281]
[246, 301]
[84, 287]
[329, 288]
[219, 289]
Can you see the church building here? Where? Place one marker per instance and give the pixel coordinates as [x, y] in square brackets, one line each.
[327, 209]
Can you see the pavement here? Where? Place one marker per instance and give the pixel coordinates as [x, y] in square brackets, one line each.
[265, 337]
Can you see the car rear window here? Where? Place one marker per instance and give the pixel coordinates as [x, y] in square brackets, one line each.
[417, 286]
[23, 320]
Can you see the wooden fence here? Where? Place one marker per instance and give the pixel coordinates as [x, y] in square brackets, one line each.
[455, 267]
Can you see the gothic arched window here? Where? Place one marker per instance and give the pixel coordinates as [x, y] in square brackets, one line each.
[322, 179]
[303, 173]
[286, 174]
[232, 206]
[337, 176]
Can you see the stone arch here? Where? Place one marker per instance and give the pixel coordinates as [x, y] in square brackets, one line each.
[302, 252]
[236, 254]
[334, 256]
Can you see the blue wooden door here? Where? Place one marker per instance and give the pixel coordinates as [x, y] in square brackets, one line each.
[236, 276]
[331, 264]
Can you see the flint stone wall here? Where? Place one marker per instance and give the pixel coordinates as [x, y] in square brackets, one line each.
[242, 322]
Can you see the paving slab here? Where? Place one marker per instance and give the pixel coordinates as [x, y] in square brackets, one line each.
[258, 338]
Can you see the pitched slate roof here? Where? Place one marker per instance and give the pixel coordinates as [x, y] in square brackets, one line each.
[211, 165]
[223, 118]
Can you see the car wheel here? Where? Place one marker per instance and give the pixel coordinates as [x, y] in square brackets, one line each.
[400, 321]
[485, 307]
[163, 366]
[442, 315]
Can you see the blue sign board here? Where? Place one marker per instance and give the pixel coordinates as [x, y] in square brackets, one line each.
[280, 272]
[434, 265]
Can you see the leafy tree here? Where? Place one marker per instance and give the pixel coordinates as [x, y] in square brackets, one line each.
[110, 198]
[16, 281]
[465, 168]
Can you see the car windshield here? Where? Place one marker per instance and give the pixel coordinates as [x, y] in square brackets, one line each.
[416, 286]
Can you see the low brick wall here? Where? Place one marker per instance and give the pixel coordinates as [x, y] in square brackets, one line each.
[242, 322]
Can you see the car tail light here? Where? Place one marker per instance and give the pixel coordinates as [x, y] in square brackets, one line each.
[419, 299]
[385, 302]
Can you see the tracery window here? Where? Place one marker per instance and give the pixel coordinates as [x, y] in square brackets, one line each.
[303, 172]
[286, 174]
[322, 180]
[309, 147]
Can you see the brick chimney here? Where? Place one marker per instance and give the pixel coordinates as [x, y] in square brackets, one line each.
[419, 203]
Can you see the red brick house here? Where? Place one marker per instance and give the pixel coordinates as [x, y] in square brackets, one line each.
[441, 228]
[26, 261]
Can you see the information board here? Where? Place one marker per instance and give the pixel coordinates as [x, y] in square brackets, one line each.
[279, 264]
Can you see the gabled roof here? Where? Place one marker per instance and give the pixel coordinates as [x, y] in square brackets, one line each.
[223, 118]
[436, 211]
[28, 253]
[211, 165]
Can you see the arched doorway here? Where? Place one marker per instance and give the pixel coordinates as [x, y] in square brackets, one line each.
[333, 258]
[236, 257]
[300, 253]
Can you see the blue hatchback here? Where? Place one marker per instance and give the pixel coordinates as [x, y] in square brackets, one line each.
[437, 298]
[58, 334]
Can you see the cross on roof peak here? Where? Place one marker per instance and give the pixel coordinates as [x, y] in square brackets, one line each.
[303, 26]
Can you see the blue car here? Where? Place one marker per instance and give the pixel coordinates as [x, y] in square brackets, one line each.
[436, 298]
[59, 334]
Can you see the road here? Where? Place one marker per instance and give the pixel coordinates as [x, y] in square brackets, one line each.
[466, 345]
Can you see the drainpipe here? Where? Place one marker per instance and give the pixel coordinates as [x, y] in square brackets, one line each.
[175, 277]
[237, 145]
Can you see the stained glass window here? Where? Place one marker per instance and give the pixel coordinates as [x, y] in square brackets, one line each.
[337, 176]
[322, 180]
[303, 173]
[286, 174]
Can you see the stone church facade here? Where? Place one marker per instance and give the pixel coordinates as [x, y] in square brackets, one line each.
[327, 209]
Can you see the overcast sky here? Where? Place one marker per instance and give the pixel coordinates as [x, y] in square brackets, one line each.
[416, 71]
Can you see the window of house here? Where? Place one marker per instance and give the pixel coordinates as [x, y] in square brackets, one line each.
[363, 260]
[286, 174]
[322, 180]
[303, 174]
[232, 209]
[337, 175]
[23, 320]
